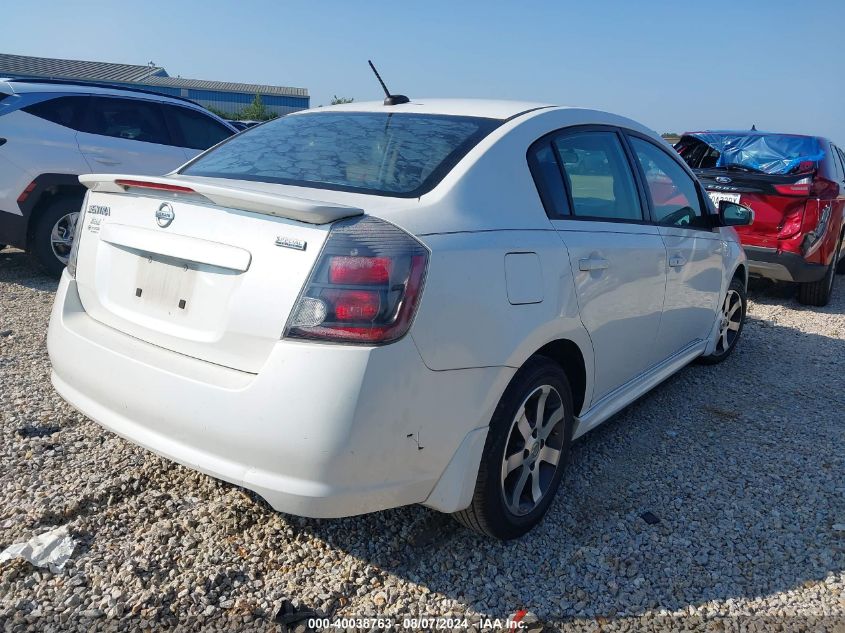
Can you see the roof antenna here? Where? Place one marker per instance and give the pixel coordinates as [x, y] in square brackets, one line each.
[753, 127]
[389, 99]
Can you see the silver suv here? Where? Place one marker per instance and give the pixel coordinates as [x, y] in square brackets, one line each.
[52, 131]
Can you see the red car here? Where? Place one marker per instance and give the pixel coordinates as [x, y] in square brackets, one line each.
[796, 187]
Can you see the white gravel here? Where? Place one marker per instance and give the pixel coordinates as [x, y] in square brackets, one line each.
[743, 464]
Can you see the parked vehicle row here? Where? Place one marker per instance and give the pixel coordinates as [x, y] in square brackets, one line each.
[53, 131]
[795, 185]
[373, 305]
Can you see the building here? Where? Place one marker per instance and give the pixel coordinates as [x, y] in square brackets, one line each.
[222, 96]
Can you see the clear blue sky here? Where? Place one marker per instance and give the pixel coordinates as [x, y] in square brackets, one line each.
[672, 65]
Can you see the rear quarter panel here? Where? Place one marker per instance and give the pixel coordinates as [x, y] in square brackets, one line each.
[466, 318]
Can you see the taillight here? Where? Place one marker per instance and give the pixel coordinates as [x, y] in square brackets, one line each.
[817, 187]
[797, 188]
[359, 270]
[824, 188]
[25, 193]
[365, 286]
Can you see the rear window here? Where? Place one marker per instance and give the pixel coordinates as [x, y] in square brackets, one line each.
[754, 152]
[391, 154]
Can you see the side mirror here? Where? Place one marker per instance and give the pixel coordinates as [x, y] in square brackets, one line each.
[734, 214]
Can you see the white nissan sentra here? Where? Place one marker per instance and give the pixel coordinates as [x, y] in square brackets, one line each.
[370, 305]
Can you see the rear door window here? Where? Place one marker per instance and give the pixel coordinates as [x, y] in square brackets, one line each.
[547, 176]
[194, 129]
[129, 119]
[598, 176]
[673, 193]
[66, 111]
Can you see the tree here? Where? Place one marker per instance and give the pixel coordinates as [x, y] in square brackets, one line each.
[255, 111]
[338, 100]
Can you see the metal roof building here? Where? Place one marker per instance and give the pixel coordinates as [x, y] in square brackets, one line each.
[223, 96]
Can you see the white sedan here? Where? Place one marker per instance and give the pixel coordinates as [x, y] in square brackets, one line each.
[373, 305]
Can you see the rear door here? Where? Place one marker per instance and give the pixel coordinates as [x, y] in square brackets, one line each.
[121, 135]
[617, 256]
[695, 251]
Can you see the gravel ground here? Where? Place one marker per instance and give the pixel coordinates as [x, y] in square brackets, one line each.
[743, 465]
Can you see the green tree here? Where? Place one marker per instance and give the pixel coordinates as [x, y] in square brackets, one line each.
[338, 100]
[255, 111]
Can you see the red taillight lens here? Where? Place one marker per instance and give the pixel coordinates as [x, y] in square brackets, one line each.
[817, 187]
[359, 270]
[365, 286]
[798, 188]
[824, 188]
[25, 193]
[353, 305]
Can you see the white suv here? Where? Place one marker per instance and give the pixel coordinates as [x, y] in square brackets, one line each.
[373, 305]
[51, 131]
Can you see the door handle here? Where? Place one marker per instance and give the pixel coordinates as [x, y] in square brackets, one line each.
[593, 263]
[106, 161]
[676, 261]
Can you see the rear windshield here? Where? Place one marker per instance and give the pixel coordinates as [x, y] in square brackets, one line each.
[391, 154]
[754, 152]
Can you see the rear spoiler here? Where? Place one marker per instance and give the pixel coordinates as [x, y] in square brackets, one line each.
[301, 209]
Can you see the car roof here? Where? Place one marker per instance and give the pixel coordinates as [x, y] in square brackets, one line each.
[24, 86]
[750, 133]
[485, 108]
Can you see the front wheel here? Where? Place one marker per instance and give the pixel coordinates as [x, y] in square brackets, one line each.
[525, 454]
[731, 321]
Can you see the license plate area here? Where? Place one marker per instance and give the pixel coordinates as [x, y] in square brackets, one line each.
[718, 196]
[164, 286]
[160, 298]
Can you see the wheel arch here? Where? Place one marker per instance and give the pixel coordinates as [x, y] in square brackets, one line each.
[742, 270]
[47, 188]
[569, 356]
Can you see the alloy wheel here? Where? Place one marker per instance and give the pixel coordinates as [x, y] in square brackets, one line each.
[61, 237]
[533, 450]
[730, 323]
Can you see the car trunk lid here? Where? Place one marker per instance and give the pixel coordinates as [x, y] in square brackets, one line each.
[778, 201]
[204, 269]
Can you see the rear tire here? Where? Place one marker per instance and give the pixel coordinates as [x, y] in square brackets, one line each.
[525, 455]
[734, 307]
[817, 293]
[52, 236]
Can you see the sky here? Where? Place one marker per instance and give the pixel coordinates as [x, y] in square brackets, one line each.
[671, 65]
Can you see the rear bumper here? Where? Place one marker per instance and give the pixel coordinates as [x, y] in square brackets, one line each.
[782, 265]
[320, 431]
